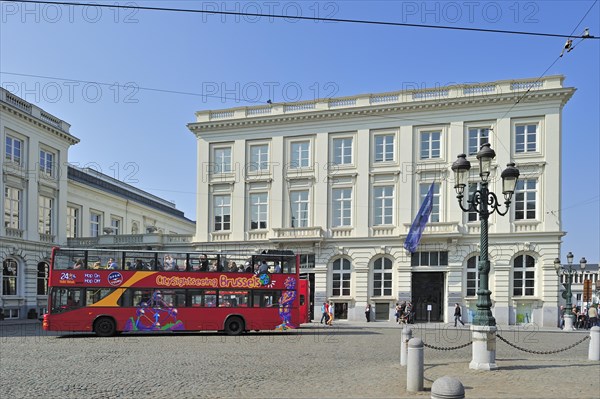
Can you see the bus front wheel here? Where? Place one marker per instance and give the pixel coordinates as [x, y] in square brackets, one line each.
[234, 326]
[105, 327]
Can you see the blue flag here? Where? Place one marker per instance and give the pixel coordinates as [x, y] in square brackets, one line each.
[416, 230]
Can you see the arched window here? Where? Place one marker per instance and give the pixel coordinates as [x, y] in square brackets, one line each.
[42, 278]
[340, 278]
[382, 277]
[524, 276]
[135, 228]
[472, 276]
[10, 271]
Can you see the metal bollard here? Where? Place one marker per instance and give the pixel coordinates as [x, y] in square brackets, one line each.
[594, 350]
[406, 336]
[414, 365]
[447, 388]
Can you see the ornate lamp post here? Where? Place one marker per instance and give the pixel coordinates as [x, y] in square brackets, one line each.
[568, 271]
[485, 203]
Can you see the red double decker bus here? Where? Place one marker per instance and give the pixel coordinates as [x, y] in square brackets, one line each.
[109, 291]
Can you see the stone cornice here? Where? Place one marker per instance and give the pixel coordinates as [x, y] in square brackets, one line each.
[39, 123]
[277, 114]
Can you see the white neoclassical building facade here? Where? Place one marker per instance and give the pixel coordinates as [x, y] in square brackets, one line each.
[47, 202]
[340, 181]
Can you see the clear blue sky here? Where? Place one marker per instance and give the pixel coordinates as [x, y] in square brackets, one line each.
[140, 136]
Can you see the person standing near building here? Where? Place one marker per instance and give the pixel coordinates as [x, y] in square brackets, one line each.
[457, 315]
[368, 312]
[324, 312]
[331, 311]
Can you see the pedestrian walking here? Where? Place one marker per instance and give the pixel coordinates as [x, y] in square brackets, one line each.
[368, 312]
[324, 312]
[331, 311]
[457, 315]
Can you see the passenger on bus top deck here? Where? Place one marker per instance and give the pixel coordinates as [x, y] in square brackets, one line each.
[248, 268]
[203, 263]
[241, 268]
[277, 267]
[112, 264]
[213, 266]
[139, 265]
[78, 264]
[232, 267]
[264, 268]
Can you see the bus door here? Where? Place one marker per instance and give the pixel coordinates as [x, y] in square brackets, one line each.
[303, 301]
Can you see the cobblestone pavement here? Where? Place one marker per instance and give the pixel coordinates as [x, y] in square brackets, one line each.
[348, 360]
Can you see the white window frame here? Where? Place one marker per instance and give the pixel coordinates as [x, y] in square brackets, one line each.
[428, 153]
[45, 214]
[47, 162]
[11, 156]
[259, 208]
[259, 161]
[472, 267]
[341, 205]
[73, 221]
[527, 276]
[300, 157]
[383, 273]
[42, 278]
[221, 208]
[117, 224]
[12, 216]
[524, 202]
[383, 203]
[342, 150]
[13, 265]
[385, 155]
[299, 208]
[478, 134]
[95, 223]
[222, 159]
[341, 270]
[527, 141]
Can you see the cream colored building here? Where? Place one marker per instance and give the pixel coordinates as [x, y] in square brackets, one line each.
[341, 180]
[47, 202]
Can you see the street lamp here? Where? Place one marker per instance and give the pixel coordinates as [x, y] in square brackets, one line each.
[568, 271]
[481, 201]
[485, 203]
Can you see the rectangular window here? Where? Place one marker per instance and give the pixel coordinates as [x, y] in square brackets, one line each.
[341, 277]
[300, 154]
[384, 148]
[233, 299]
[472, 275]
[265, 299]
[342, 151]
[72, 222]
[45, 215]
[259, 158]
[95, 224]
[383, 205]
[477, 137]
[10, 273]
[429, 258]
[115, 223]
[13, 149]
[259, 209]
[435, 211]
[341, 207]
[222, 160]
[299, 208]
[46, 162]
[525, 199]
[222, 212]
[473, 216]
[526, 138]
[431, 145]
[13, 200]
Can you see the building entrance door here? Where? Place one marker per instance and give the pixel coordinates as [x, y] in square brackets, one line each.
[428, 289]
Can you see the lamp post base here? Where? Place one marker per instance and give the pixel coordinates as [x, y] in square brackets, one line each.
[569, 323]
[484, 348]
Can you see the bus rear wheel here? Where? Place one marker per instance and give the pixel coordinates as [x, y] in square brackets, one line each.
[105, 327]
[234, 326]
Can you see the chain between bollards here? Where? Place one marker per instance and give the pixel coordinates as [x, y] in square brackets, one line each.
[543, 352]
